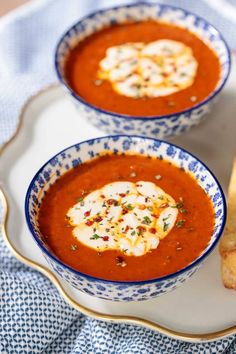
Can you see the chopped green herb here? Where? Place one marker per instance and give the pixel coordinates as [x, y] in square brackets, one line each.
[129, 207]
[95, 237]
[178, 205]
[181, 208]
[183, 211]
[133, 233]
[164, 219]
[81, 201]
[146, 220]
[150, 208]
[180, 223]
[165, 226]
[161, 197]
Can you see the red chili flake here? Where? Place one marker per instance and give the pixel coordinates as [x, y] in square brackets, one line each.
[122, 195]
[141, 229]
[89, 222]
[124, 211]
[152, 230]
[146, 199]
[87, 213]
[154, 216]
[111, 201]
[98, 219]
[105, 238]
[126, 228]
[103, 196]
[120, 220]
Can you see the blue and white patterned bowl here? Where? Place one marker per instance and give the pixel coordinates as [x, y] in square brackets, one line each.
[154, 126]
[85, 151]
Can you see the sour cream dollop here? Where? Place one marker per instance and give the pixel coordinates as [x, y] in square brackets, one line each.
[125, 216]
[154, 69]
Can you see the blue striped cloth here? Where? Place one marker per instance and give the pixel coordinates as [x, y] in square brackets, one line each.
[33, 316]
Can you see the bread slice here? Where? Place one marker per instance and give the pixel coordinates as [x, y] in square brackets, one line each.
[227, 246]
[228, 276]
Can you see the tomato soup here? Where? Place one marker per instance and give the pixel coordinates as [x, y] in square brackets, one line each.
[143, 69]
[126, 218]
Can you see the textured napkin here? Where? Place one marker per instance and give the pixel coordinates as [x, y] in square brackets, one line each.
[33, 316]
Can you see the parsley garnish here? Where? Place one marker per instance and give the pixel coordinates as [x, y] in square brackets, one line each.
[133, 233]
[81, 201]
[180, 223]
[146, 220]
[180, 206]
[95, 237]
[183, 211]
[165, 226]
[164, 219]
[129, 207]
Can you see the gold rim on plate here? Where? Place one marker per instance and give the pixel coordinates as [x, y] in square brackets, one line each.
[189, 337]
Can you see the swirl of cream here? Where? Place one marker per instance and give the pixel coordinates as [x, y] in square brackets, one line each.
[125, 216]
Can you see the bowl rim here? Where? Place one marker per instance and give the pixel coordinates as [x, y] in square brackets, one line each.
[117, 282]
[213, 93]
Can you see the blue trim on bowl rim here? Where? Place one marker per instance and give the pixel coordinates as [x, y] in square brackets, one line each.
[125, 116]
[91, 278]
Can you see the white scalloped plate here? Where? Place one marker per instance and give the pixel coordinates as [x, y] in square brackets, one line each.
[200, 310]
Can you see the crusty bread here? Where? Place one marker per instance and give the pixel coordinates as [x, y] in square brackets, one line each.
[228, 276]
[227, 246]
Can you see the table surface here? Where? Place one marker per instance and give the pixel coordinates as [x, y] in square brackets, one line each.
[6, 6]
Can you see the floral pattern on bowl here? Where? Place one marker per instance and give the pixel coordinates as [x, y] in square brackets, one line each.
[85, 151]
[154, 126]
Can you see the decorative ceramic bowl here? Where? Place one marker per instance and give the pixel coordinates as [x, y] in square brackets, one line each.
[152, 126]
[85, 151]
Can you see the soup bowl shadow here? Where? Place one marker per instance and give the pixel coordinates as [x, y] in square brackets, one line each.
[85, 151]
[153, 126]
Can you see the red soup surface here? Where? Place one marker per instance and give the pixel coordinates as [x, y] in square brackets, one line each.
[169, 221]
[154, 94]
